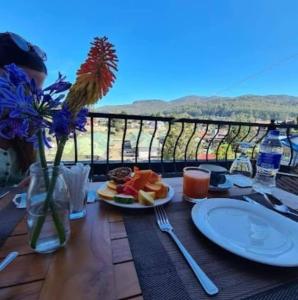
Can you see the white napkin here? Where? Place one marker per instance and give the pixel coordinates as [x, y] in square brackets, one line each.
[76, 178]
[285, 197]
[240, 180]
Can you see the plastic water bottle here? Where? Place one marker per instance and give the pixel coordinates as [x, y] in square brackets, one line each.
[268, 162]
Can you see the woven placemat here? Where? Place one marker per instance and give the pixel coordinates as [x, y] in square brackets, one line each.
[164, 274]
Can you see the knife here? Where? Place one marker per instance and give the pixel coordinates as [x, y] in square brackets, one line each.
[275, 200]
[250, 200]
[8, 259]
[3, 194]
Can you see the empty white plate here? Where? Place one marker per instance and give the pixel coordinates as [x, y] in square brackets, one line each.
[251, 231]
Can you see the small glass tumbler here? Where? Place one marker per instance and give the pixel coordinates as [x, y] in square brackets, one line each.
[78, 205]
[242, 165]
[195, 183]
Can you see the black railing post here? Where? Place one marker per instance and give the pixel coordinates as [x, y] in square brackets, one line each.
[201, 139]
[75, 146]
[255, 133]
[92, 147]
[163, 145]
[272, 125]
[137, 143]
[108, 145]
[211, 141]
[176, 144]
[151, 142]
[291, 146]
[188, 142]
[222, 140]
[123, 140]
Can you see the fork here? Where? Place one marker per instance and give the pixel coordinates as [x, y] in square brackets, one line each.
[164, 225]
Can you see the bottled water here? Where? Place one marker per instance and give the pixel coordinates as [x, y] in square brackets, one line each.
[268, 162]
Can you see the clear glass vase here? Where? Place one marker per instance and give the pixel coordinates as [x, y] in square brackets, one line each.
[47, 209]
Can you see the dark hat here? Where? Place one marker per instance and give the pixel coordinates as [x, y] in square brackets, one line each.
[10, 52]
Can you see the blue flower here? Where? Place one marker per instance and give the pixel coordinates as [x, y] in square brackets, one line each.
[63, 123]
[12, 128]
[25, 109]
[16, 75]
[59, 86]
[81, 119]
[17, 102]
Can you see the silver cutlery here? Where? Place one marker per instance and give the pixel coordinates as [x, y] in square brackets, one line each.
[250, 200]
[277, 204]
[282, 208]
[8, 259]
[4, 194]
[164, 225]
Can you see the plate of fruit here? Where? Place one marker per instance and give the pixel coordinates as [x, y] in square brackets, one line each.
[137, 189]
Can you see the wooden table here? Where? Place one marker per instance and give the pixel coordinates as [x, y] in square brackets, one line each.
[95, 264]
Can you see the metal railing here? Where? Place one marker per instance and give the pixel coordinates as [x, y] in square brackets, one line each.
[167, 144]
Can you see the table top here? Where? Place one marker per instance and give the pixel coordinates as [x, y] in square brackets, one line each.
[96, 263]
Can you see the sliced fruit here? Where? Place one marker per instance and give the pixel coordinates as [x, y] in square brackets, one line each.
[112, 185]
[152, 187]
[145, 198]
[106, 193]
[119, 188]
[130, 190]
[162, 192]
[139, 179]
[154, 177]
[125, 199]
[152, 194]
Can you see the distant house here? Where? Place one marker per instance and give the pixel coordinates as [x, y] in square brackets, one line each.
[143, 153]
[204, 156]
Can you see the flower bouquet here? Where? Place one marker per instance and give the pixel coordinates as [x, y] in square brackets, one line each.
[33, 114]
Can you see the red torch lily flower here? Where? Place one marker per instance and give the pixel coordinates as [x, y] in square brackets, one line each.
[95, 76]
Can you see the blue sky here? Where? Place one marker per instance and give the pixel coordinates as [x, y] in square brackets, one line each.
[169, 48]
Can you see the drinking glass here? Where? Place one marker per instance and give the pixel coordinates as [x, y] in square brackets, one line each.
[242, 165]
[195, 183]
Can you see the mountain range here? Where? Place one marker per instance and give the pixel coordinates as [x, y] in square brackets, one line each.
[241, 108]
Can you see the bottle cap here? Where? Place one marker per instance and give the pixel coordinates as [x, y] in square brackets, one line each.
[274, 132]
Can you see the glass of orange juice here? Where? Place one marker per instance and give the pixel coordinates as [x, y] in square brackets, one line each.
[195, 183]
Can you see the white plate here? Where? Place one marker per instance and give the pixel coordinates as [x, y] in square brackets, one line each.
[251, 231]
[136, 205]
[221, 187]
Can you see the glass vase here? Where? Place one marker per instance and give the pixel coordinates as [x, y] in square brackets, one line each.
[47, 209]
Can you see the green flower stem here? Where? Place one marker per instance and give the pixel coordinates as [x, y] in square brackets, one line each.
[42, 157]
[48, 201]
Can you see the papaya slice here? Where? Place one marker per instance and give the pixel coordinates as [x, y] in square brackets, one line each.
[162, 192]
[139, 179]
[154, 177]
[151, 187]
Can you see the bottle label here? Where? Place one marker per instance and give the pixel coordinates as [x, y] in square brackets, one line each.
[269, 160]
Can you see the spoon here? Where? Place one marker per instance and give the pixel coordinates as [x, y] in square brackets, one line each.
[277, 204]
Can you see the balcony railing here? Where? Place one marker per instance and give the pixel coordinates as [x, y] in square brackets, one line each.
[167, 144]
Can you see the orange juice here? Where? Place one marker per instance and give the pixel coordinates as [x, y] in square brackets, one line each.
[195, 183]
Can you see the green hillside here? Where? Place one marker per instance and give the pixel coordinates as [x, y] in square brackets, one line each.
[244, 108]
